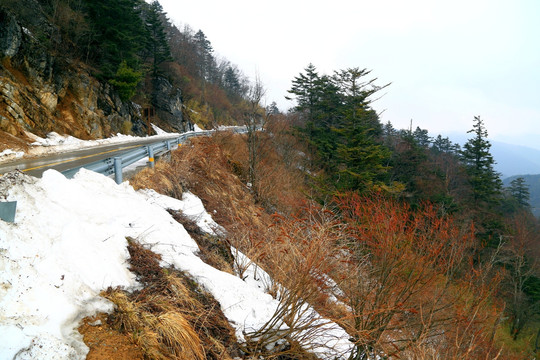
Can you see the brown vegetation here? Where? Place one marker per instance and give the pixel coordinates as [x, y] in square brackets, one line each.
[402, 282]
[171, 317]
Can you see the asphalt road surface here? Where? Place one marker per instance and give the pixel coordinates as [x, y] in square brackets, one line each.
[71, 159]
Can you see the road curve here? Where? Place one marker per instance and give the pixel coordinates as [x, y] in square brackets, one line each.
[72, 158]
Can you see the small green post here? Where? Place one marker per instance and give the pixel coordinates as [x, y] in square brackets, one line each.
[7, 211]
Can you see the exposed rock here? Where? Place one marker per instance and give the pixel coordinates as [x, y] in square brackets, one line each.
[40, 93]
[167, 100]
[10, 34]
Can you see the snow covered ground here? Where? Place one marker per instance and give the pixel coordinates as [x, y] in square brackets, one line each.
[68, 243]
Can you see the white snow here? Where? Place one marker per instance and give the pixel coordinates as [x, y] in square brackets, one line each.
[55, 143]
[10, 155]
[68, 243]
[158, 130]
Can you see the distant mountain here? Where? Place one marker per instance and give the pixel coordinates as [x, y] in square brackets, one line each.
[533, 181]
[511, 159]
[515, 159]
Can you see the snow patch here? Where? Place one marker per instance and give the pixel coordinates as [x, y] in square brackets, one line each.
[11, 154]
[68, 243]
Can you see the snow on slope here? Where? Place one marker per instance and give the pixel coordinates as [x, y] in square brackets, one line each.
[68, 243]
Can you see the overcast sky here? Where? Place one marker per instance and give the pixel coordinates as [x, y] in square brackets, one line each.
[447, 60]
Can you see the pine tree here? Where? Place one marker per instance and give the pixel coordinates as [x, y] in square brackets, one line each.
[126, 80]
[520, 191]
[231, 82]
[342, 129]
[360, 155]
[484, 180]
[118, 33]
[158, 46]
[444, 145]
[205, 55]
[422, 137]
[305, 88]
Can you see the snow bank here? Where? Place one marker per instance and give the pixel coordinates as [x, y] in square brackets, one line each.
[10, 155]
[68, 243]
[55, 143]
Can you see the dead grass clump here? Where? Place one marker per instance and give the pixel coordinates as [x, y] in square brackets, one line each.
[178, 335]
[171, 317]
[213, 250]
[161, 336]
[163, 179]
[144, 263]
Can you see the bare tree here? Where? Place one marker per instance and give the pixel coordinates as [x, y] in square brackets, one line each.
[254, 120]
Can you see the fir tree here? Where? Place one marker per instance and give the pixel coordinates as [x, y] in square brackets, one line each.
[422, 137]
[205, 55]
[342, 129]
[307, 89]
[158, 46]
[231, 82]
[520, 191]
[484, 180]
[117, 34]
[444, 145]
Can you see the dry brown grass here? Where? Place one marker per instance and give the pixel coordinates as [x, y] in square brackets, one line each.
[171, 317]
[213, 169]
[163, 179]
[214, 250]
[279, 185]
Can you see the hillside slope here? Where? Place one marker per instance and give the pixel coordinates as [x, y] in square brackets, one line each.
[65, 228]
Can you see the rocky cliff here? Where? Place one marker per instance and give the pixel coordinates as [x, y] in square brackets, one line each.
[41, 92]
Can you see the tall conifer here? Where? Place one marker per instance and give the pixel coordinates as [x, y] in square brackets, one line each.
[485, 181]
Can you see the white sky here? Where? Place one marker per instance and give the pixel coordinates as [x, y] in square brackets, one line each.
[447, 60]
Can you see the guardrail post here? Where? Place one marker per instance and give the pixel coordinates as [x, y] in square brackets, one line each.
[118, 170]
[168, 145]
[150, 156]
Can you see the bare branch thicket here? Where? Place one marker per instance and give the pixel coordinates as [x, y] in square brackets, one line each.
[417, 288]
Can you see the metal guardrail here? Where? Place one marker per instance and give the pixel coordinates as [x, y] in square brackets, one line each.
[114, 165]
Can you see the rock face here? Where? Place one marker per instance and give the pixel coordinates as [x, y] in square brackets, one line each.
[167, 101]
[10, 34]
[40, 93]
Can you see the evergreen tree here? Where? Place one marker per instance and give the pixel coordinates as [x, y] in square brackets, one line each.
[117, 33]
[355, 98]
[126, 80]
[520, 191]
[421, 137]
[272, 109]
[231, 82]
[158, 46]
[484, 180]
[306, 89]
[444, 145]
[359, 153]
[342, 129]
[205, 55]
